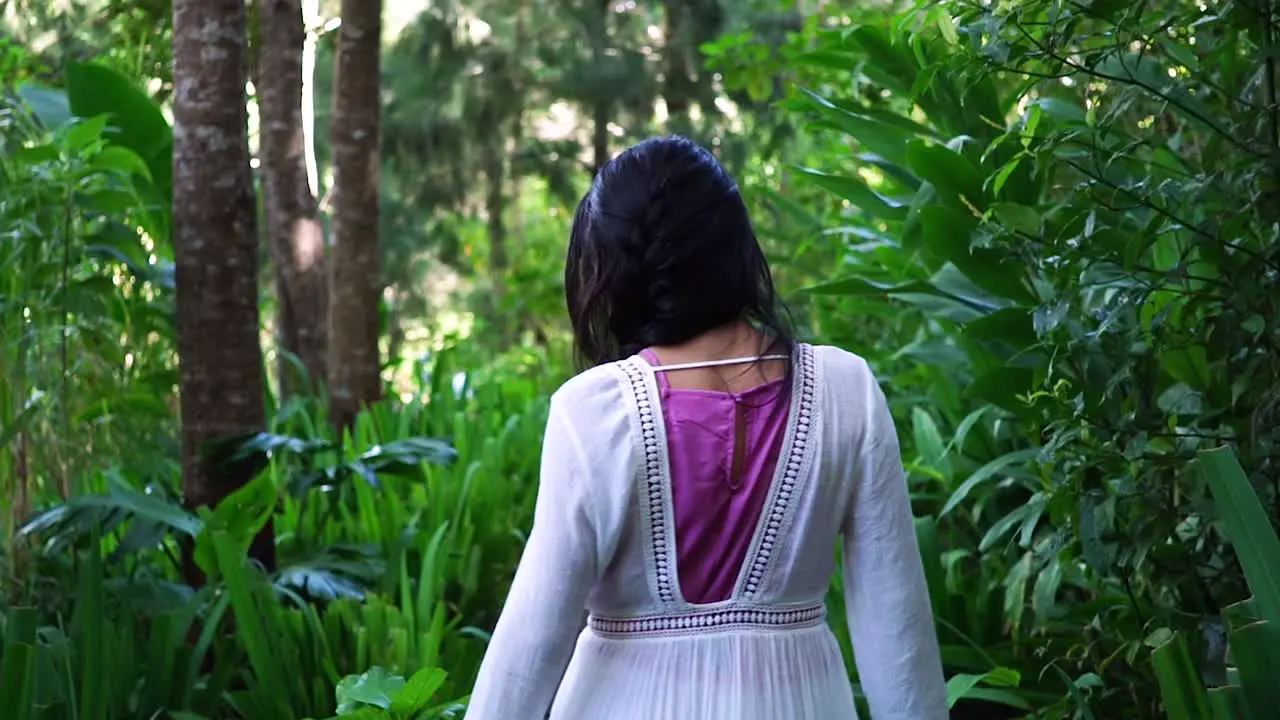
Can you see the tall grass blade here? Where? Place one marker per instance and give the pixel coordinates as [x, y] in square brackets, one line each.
[1247, 526]
[1184, 696]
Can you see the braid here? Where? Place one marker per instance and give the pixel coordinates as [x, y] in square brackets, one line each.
[663, 250]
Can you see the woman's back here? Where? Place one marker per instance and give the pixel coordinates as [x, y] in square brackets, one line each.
[697, 533]
[765, 651]
[723, 446]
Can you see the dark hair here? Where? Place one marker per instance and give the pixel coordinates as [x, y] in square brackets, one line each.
[661, 251]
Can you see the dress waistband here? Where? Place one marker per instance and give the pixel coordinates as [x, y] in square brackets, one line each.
[705, 621]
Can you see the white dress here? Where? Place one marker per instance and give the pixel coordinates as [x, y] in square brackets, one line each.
[603, 542]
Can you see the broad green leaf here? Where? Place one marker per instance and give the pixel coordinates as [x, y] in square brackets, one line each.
[929, 442]
[856, 192]
[948, 232]
[1045, 591]
[85, 131]
[18, 679]
[1002, 176]
[985, 473]
[121, 159]
[1004, 525]
[1007, 327]
[136, 120]
[1184, 696]
[417, 693]
[959, 685]
[1018, 218]
[36, 154]
[1227, 703]
[1255, 650]
[887, 141]
[1003, 387]
[49, 105]
[1247, 526]
[951, 174]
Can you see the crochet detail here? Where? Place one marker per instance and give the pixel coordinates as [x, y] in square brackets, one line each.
[664, 564]
[711, 621]
[790, 475]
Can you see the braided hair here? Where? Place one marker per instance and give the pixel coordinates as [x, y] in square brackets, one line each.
[661, 251]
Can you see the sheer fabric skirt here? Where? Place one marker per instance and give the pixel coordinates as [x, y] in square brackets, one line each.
[733, 675]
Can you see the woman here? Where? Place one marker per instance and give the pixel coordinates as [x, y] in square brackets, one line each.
[694, 482]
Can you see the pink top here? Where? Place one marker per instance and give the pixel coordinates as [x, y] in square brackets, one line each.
[716, 514]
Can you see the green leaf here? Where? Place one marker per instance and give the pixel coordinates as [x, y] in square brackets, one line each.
[929, 441]
[1018, 218]
[1184, 696]
[18, 679]
[958, 687]
[85, 131]
[985, 473]
[1010, 327]
[417, 693]
[37, 154]
[962, 685]
[121, 159]
[49, 105]
[1227, 703]
[1004, 525]
[856, 192]
[375, 687]
[1255, 649]
[1045, 592]
[887, 141]
[951, 174]
[136, 121]
[948, 232]
[1003, 387]
[1247, 525]
[1002, 176]
[1188, 365]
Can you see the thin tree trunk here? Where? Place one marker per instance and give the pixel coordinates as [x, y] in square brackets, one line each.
[603, 105]
[215, 243]
[311, 25]
[678, 83]
[296, 236]
[354, 368]
[494, 204]
[517, 126]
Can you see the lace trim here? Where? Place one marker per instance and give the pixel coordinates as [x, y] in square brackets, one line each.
[711, 621]
[790, 476]
[663, 563]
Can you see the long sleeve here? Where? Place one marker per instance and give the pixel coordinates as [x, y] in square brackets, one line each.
[535, 635]
[895, 644]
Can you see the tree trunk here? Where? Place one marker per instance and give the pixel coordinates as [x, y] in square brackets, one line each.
[494, 204]
[311, 25]
[354, 367]
[678, 82]
[603, 104]
[517, 126]
[296, 237]
[215, 243]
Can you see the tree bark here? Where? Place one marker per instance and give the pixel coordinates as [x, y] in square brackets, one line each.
[354, 366]
[603, 104]
[215, 243]
[296, 236]
[678, 83]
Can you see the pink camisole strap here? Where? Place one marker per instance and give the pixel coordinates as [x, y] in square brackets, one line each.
[716, 514]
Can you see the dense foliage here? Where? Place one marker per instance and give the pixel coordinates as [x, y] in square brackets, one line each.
[1053, 228]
